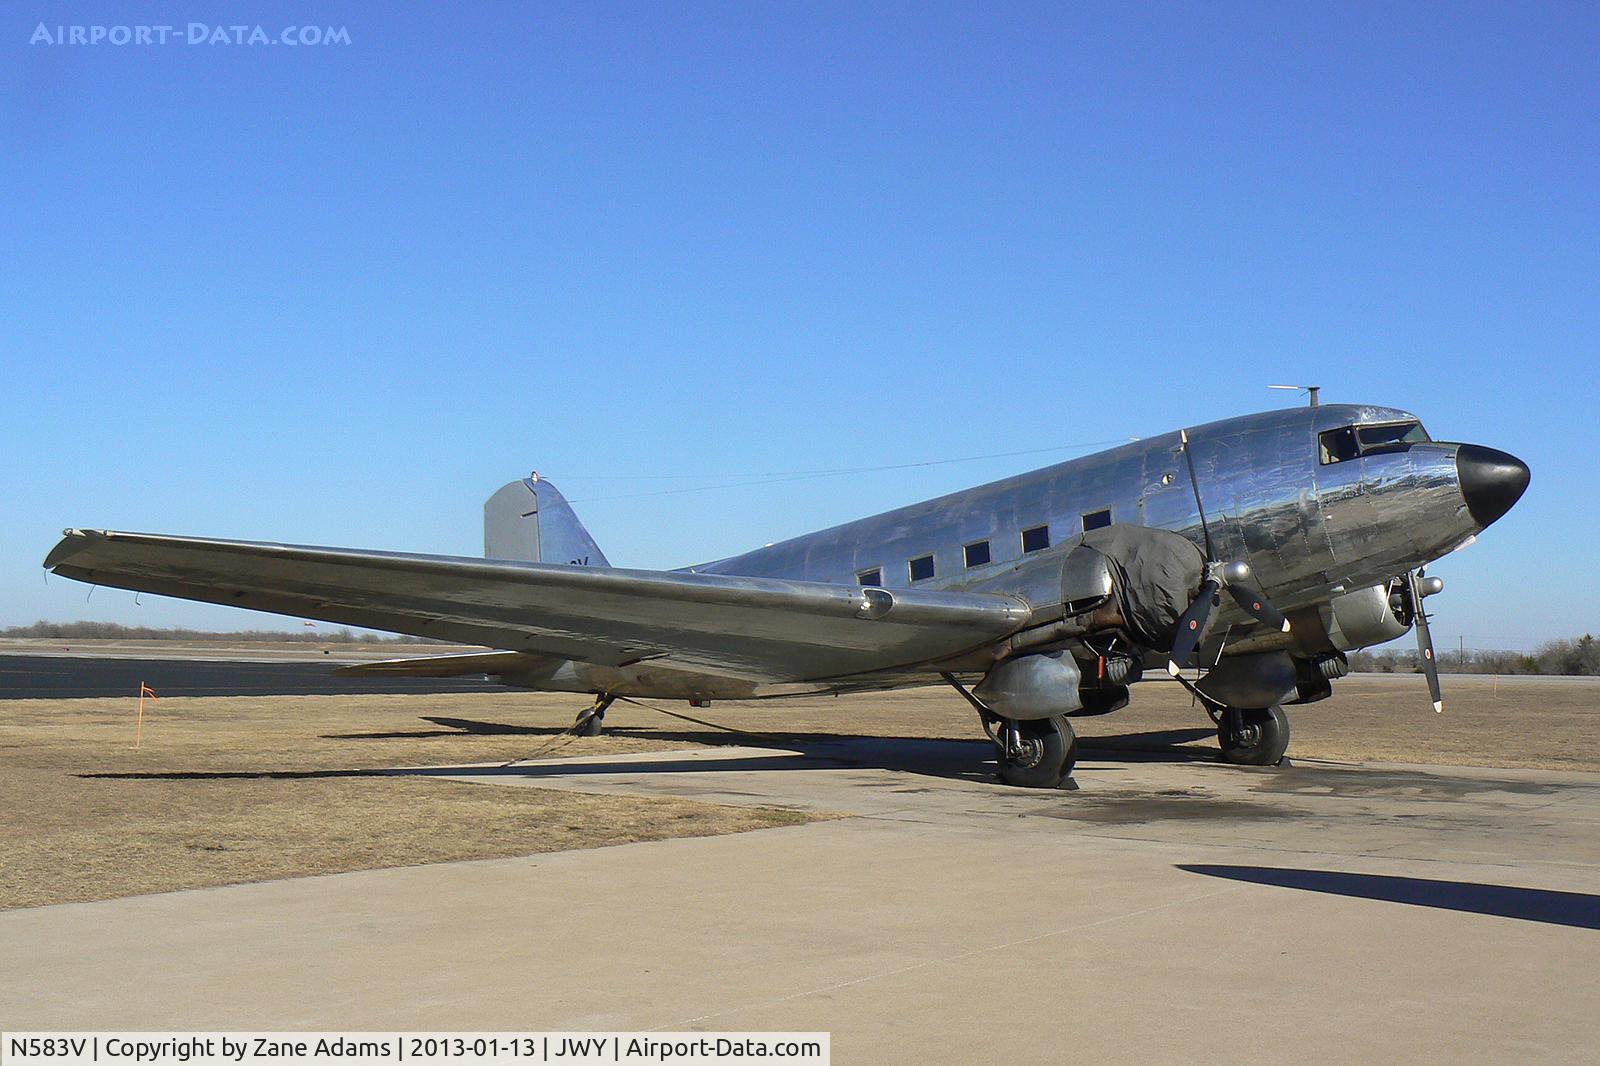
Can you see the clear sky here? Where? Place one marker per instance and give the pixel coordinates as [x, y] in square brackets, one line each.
[338, 294]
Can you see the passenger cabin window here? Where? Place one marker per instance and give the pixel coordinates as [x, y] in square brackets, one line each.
[1035, 539]
[977, 553]
[1351, 442]
[1097, 520]
[870, 577]
[921, 568]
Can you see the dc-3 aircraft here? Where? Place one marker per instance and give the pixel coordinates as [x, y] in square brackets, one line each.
[1040, 597]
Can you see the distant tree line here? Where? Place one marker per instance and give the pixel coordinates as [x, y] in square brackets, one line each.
[115, 631]
[1580, 656]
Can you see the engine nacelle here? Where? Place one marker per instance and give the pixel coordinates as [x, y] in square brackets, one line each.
[1032, 686]
[1086, 581]
[1251, 680]
[1362, 618]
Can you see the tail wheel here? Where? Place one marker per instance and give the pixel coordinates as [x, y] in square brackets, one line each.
[590, 723]
[1041, 753]
[1253, 736]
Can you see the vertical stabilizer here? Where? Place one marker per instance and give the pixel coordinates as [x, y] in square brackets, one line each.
[530, 521]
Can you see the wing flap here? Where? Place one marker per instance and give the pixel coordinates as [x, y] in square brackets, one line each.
[757, 628]
[455, 665]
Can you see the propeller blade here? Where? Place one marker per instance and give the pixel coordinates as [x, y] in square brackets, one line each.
[1430, 665]
[1192, 626]
[1255, 604]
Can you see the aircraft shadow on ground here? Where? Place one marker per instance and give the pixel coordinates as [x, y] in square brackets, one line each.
[952, 759]
[1578, 910]
[454, 727]
[1163, 744]
[968, 760]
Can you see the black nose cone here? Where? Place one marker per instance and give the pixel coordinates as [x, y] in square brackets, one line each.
[1491, 481]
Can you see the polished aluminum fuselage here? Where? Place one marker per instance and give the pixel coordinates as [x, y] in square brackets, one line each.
[1309, 530]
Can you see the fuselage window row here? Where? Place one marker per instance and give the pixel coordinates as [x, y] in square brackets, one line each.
[973, 555]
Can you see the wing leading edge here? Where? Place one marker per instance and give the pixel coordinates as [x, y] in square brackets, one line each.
[754, 628]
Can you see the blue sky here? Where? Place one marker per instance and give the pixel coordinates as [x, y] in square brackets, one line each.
[339, 294]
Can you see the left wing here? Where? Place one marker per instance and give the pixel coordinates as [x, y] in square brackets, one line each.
[761, 629]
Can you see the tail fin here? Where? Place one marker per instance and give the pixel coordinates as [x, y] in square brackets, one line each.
[530, 521]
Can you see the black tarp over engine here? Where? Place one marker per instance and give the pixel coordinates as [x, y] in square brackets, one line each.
[1155, 574]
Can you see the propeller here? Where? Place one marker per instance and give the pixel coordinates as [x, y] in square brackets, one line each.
[1192, 626]
[1419, 588]
[1248, 595]
[1235, 578]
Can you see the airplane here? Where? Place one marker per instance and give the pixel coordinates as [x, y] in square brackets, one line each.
[1040, 598]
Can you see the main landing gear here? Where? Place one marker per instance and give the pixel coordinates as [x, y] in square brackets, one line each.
[1252, 736]
[590, 720]
[1036, 753]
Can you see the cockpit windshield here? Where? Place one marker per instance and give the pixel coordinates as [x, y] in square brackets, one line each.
[1352, 442]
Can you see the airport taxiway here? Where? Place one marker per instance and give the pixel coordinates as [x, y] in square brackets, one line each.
[1170, 910]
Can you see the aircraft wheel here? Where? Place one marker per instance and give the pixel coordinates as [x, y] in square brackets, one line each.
[1253, 736]
[1046, 750]
[589, 723]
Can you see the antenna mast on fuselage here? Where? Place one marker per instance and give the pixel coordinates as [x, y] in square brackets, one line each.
[1309, 390]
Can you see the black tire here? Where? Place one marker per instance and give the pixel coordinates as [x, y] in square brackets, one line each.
[588, 725]
[1253, 736]
[1050, 749]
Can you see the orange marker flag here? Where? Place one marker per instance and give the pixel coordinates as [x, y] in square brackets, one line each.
[138, 736]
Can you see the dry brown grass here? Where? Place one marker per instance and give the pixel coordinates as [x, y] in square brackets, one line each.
[227, 790]
[255, 788]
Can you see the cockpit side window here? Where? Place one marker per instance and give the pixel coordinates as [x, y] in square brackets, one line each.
[1339, 445]
[1395, 437]
[1351, 442]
